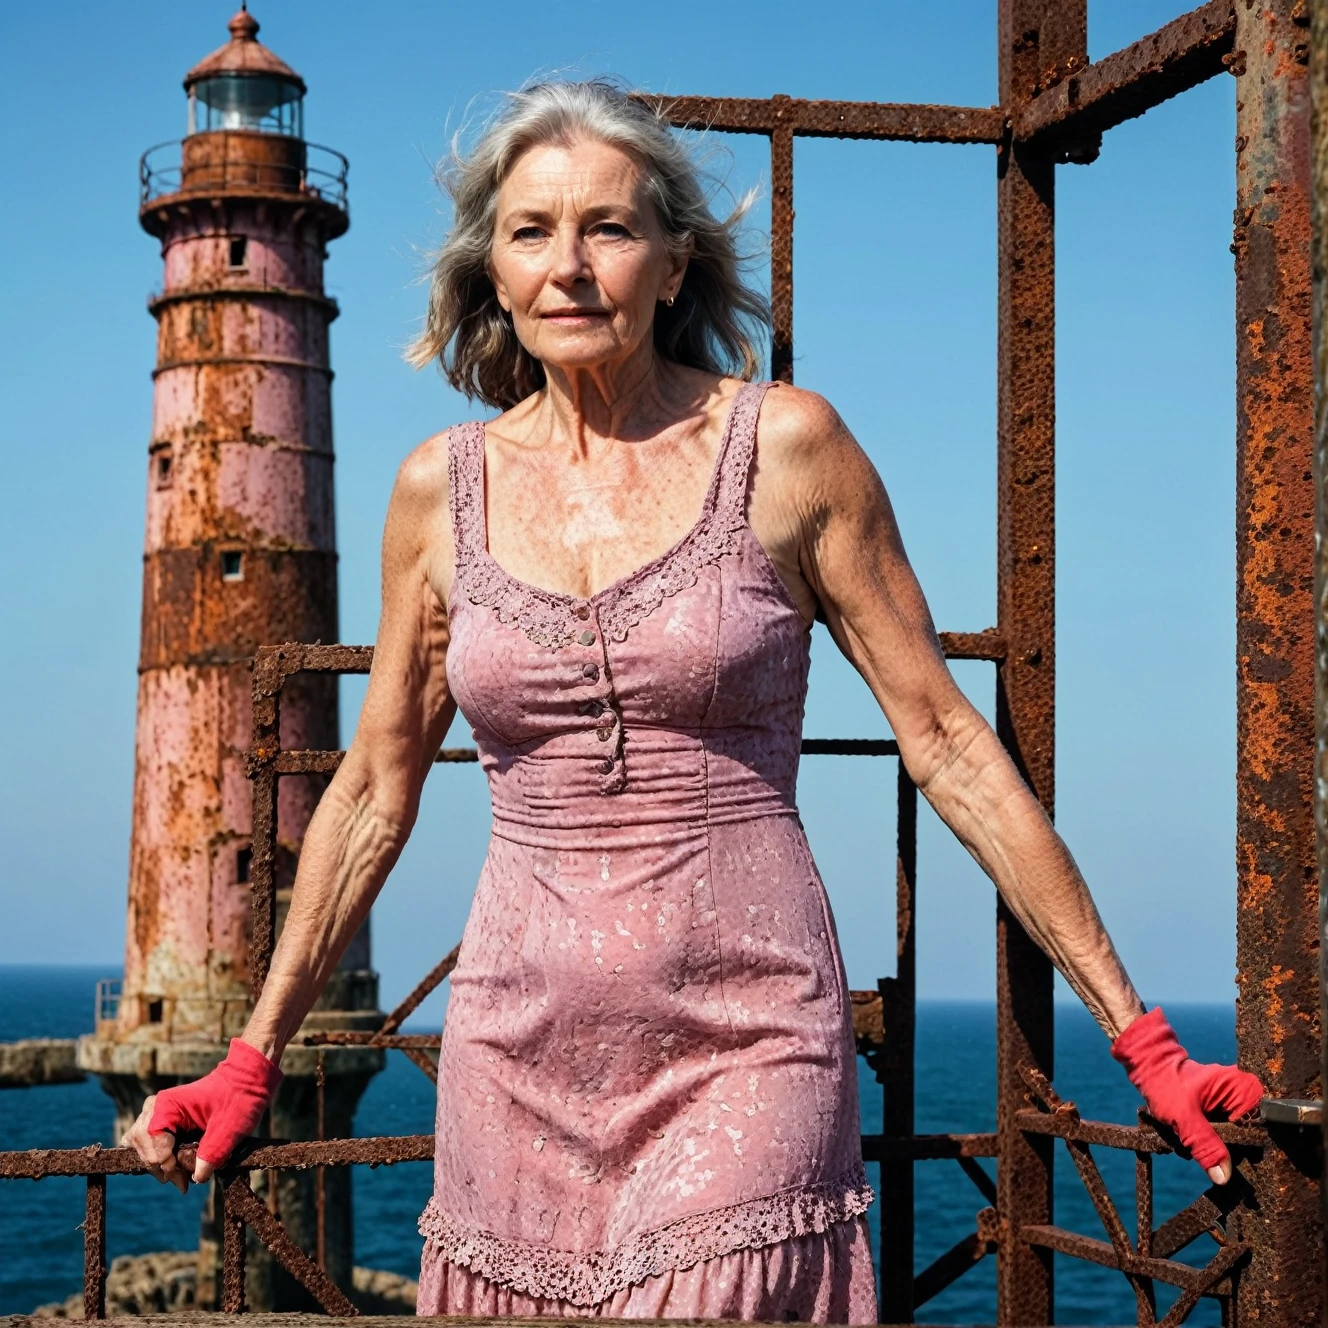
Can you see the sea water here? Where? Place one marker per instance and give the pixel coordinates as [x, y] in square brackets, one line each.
[41, 1243]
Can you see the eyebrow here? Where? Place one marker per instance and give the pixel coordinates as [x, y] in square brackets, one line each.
[597, 212]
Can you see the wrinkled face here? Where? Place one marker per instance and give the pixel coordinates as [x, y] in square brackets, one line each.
[578, 255]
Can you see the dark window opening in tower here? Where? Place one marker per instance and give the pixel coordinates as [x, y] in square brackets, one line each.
[232, 565]
[244, 861]
[154, 1011]
[239, 248]
[163, 470]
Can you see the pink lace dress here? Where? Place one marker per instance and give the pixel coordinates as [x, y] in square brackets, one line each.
[648, 1098]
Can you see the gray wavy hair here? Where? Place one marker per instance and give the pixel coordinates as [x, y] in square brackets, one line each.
[716, 317]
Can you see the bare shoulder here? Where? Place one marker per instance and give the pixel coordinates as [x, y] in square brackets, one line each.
[422, 476]
[418, 533]
[803, 440]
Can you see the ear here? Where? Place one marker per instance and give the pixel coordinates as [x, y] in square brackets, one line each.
[678, 261]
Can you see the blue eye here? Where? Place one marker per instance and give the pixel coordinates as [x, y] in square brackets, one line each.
[527, 233]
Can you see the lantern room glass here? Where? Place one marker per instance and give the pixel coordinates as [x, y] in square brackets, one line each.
[258, 102]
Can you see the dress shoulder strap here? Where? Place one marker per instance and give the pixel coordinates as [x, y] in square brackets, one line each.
[738, 447]
[465, 486]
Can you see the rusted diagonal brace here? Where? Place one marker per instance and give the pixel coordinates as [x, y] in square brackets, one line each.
[423, 1061]
[1061, 1110]
[986, 1186]
[1178, 56]
[1205, 1213]
[958, 1259]
[242, 1201]
[1214, 1273]
[425, 986]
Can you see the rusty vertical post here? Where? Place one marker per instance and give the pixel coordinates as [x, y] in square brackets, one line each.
[234, 1256]
[1319, 265]
[781, 249]
[1038, 41]
[898, 1017]
[320, 1177]
[94, 1249]
[1276, 879]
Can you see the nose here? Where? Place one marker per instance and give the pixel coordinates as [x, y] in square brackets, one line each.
[571, 264]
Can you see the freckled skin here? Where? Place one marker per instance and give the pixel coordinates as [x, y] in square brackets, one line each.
[599, 472]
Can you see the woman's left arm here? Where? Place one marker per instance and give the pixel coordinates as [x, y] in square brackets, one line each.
[851, 556]
[824, 495]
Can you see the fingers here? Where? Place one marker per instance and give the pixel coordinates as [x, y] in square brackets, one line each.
[202, 1170]
[155, 1151]
[1203, 1145]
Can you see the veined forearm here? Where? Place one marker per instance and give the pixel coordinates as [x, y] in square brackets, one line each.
[982, 798]
[348, 850]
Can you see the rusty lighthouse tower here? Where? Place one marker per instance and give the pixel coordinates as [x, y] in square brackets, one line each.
[240, 552]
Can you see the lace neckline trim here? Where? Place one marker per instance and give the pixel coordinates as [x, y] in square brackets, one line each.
[552, 618]
[591, 1277]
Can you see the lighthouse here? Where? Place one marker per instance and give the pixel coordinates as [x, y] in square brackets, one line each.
[240, 552]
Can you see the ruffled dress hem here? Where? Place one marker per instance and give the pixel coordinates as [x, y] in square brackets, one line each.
[589, 1278]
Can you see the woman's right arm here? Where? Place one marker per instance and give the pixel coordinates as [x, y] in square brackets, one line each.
[357, 832]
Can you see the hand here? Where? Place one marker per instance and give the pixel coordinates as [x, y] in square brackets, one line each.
[1183, 1093]
[226, 1105]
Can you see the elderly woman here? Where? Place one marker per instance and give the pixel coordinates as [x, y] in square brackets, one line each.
[647, 1104]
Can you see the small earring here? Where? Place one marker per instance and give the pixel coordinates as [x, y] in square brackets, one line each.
[669, 301]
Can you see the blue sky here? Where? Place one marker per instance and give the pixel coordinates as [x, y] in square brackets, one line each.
[894, 322]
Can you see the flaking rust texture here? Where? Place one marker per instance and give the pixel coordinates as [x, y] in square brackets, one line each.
[240, 551]
[1038, 42]
[1277, 886]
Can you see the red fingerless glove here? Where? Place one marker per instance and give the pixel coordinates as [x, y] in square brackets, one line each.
[226, 1104]
[1181, 1092]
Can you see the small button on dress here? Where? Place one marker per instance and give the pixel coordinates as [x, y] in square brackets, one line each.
[647, 1104]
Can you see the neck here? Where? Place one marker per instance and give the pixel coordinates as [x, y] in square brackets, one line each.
[618, 401]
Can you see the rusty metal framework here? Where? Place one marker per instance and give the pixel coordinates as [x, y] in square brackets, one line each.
[1055, 106]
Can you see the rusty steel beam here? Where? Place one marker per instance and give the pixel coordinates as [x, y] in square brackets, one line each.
[894, 1065]
[1178, 56]
[988, 644]
[94, 1249]
[1033, 38]
[927, 1147]
[1203, 1281]
[1319, 267]
[781, 254]
[274, 665]
[888, 121]
[1128, 1138]
[254, 1155]
[387, 1150]
[1278, 1027]
[234, 1256]
[390, 1041]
